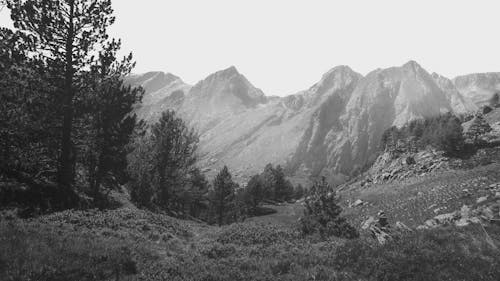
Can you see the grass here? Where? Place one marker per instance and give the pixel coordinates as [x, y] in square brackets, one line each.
[50, 249]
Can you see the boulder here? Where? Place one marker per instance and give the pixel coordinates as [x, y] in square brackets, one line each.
[358, 202]
[481, 199]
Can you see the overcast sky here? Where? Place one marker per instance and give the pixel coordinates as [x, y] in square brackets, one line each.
[284, 46]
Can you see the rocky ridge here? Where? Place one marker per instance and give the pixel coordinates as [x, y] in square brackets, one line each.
[329, 129]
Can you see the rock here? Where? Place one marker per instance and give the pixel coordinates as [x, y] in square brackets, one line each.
[358, 203]
[497, 195]
[465, 211]
[410, 160]
[366, 224]
[444, 219]
[402, 226]
[481, 199]
[487, 214]
[438, 210]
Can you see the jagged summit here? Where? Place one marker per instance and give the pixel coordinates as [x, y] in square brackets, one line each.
[411, 64]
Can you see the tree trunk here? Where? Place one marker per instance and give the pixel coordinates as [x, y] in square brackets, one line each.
[66, 158]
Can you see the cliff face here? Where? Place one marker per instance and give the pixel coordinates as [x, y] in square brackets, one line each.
[479, 87]
[330, 128]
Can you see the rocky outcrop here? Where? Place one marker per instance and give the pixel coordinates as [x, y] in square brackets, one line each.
[391, 166]
[486, 210]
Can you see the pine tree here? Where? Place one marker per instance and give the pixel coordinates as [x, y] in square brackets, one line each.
[322, 214]
[167, 152]
[66, 34]
[105, 123]
[495, 100]
[254, 192]
[222, 197]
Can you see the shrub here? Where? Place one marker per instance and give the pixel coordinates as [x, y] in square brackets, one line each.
[322, 215]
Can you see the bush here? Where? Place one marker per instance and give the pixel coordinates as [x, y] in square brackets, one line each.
[322, 215]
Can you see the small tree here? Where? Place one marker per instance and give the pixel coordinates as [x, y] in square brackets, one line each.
[299, 191]
[254, 193]
[223, 196]
[161, 161]
[322, 215]
[478, 127]
[495, 100]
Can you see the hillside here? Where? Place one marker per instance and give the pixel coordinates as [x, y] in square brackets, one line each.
[132, 244]
[329, 129]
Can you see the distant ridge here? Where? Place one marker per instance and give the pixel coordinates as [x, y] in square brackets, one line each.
[329, 129]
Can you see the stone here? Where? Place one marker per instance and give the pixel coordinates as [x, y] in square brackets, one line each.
[403, 226]
[358, 203]
[465, 211]
[366, 224]
[481, 199]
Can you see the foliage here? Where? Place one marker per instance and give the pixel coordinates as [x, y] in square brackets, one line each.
[254, 233]
[161, 164]
[322, 214]
[299, 192]
[442, 132]
[105, 123]
[440, 254]
[478, 127]
[222, 197]
[66, 35]
[253, 193]
[28, 254]
[495, 100]
[67, 115]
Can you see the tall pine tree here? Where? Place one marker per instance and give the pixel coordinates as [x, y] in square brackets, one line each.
[67, 34]
[223, 196]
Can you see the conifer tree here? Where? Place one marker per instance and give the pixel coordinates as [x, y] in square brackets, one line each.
[66, 35]
[223, 196]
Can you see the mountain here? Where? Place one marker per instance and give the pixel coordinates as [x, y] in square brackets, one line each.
[478, 87]
[162, 91]
[329, 129]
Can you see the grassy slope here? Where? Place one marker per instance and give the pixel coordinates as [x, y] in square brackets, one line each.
[131, 244]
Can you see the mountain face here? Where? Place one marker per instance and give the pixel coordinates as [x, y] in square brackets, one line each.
[478, 87]
[162, 91]
[329, 129]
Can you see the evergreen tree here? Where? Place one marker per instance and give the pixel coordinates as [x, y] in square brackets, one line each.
[495, 100]
[161, 161]
[254, 192]
[222, 198]
[66, 33]
[322, 214]
[105, 123]
[299, 192]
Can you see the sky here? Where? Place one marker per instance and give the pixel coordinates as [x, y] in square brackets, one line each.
[285, 46]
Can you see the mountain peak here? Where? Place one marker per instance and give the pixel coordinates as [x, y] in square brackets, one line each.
[412, 65]
[228, 72]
